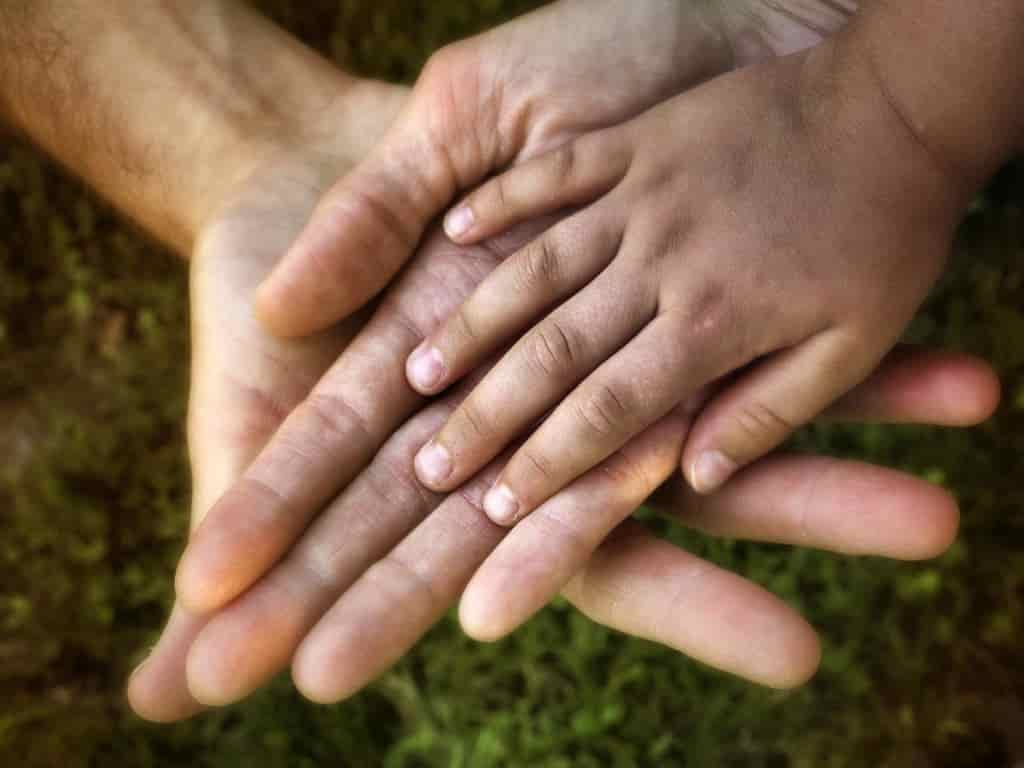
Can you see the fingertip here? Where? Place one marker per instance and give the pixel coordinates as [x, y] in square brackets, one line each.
[459, 223]
[425, 369]
[977, 389]
[213, 674]
[502, 506]
[481, 617]
[710, 471]
[433, 465]
[193, 588]
[935, 534]
[156, 690]
[212, 671]
[269, 308]
[311, 675]
[204, 685]
[800, 660]
[311, 288]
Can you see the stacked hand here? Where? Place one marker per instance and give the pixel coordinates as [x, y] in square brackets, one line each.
[328, 532]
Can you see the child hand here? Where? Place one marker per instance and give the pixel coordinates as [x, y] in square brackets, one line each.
[777, 225]
[501, 98]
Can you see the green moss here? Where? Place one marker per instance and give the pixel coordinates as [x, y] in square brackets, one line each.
[94, 497]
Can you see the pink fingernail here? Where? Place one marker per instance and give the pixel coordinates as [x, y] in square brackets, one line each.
[459, 221]
[711, 470]
[501, 505]
[433, 463]
[426, 367]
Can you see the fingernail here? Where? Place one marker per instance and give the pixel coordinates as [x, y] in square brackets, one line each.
[501, 505]
[711, 470]
[433, 463]
[426, 367]
[459, 221]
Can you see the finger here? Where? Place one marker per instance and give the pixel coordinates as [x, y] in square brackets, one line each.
[400, 597]
[540, 556]
[651, 589]
[254, 637]
[555, 265]
[628, 393]
[635, 589]
[358, 237]
[320, 447]
[756, 413]
[847, 507]
[542, 366]
[156, 690]
[575, 173]
[914, 385]
[328, 438]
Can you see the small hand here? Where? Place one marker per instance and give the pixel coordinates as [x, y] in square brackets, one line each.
[754, 227]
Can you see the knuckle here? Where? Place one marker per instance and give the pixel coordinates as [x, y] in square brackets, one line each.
[603, 411]
[537, 463]
[322, 560]
[333, 418]
[497, 197]
[367, 206]
[763, 425]
[564, 161]
[625, 472]
[403, 578]
[710, 313]
[471, 421]
[553, 349]
[539, 267]
[465, 322]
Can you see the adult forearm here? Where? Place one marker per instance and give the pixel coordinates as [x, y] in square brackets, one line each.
[950, 71]
[161, 106]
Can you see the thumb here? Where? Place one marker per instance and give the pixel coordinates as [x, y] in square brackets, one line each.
[759, 410]
[371, 222]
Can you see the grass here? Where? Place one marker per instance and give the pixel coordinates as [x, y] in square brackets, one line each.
[923, 662]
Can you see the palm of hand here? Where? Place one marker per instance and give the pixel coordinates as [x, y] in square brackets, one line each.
[244, 380]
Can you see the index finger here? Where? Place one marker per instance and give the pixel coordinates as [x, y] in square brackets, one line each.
[329, 438]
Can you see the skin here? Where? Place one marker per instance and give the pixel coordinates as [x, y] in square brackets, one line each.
[677, 272]
[681, 266]
[262, 173]
[277, 552]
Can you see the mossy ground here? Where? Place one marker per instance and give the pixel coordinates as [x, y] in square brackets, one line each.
[923, 662]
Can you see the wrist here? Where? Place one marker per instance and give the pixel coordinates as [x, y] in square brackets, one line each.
[264, 94]
[331, 119]
[866, 139]
[164, 107]
[947, 73]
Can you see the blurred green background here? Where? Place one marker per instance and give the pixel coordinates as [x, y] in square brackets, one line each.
[924, 663]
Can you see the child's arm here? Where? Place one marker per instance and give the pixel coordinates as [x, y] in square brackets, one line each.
[786, 220]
